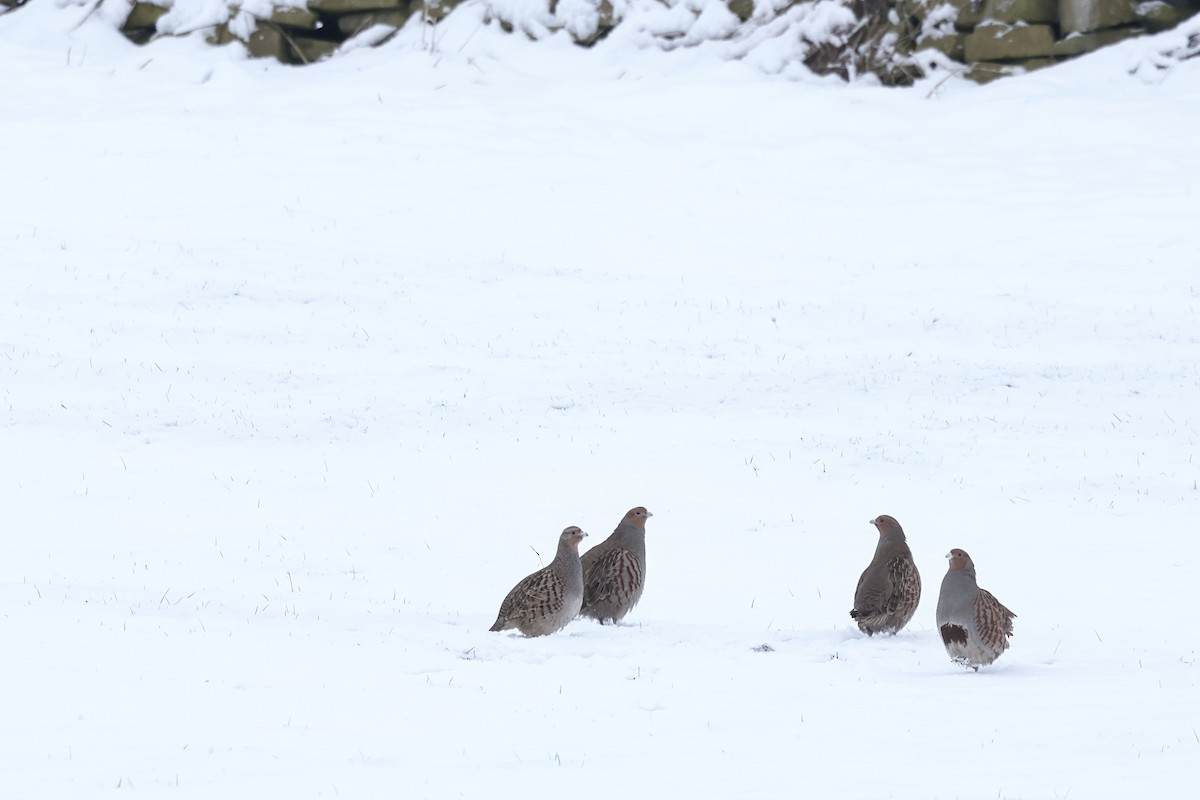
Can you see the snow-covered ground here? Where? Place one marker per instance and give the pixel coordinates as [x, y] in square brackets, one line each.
[299, 368]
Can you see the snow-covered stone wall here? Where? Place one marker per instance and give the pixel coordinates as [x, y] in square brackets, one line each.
[999, 37]
[891, 41]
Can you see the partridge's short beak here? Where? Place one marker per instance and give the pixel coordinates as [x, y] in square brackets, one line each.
[649, 514]
[949, 555]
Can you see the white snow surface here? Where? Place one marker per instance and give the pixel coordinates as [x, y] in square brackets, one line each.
[302, 369]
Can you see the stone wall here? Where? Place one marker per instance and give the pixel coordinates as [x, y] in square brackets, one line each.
[990, 38]
[1000, 37]
[300, 35]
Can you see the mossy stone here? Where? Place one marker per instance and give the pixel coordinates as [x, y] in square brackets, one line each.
[268, 42]
[742, 9]
[309, 50]
[1157, 16]
[1085, 16]
[951, 45]
[220, 35]
[1003, 43]
[143, 15]
[294, 18]
[1031, 11]
[352, 24]
[1079, 43]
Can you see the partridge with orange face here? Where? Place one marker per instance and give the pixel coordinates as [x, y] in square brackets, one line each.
[547, 600]
[974, 625]
[890, 587]
[614, 571]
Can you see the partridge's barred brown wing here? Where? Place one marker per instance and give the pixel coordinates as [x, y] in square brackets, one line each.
[889, 589]
[547, 600]
[614, 571]
[974, 625]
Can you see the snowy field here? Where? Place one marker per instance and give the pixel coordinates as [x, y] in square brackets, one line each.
[302, 369]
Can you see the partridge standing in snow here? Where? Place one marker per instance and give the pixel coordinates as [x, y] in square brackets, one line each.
[547, 600]
[974, 625]
[890, 586]
[614, 571]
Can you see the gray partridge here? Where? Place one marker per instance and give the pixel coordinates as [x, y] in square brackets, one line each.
[975, 626]
[547, 600]
[890, 587]
[614, 571]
